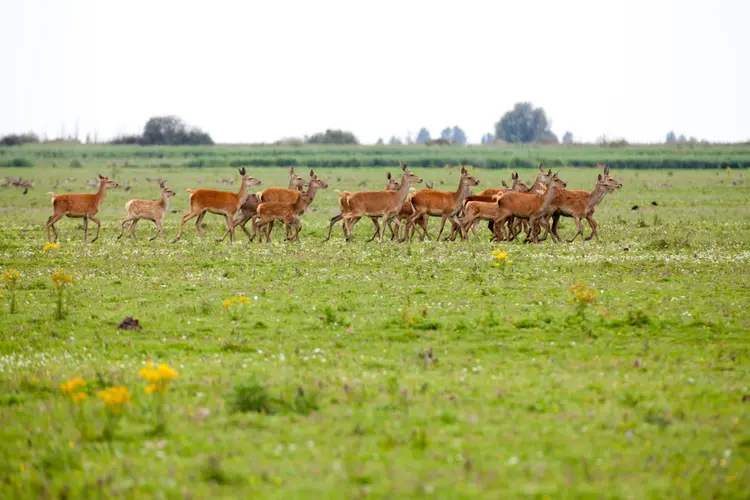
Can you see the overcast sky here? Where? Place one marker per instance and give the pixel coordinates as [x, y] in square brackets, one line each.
[251, 71]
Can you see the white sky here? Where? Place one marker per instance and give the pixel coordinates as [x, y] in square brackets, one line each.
[250, 71]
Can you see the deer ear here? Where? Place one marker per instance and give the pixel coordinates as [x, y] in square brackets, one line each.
[101, 176]
[291, 171]
[312, 173]
[541, 167]
[606, 170]
[504, 184]
[599, 177]
[550, 172]
[403, 166]
[388, 176]
[463, 170]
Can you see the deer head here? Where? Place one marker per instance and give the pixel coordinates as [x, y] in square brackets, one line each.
[392, 185]
[316, 181]
[608, 183]
[555, 181]
[608, 176]
[250, 181]
[467, 179]
[105, 183]
[165, 190]
[410, 177]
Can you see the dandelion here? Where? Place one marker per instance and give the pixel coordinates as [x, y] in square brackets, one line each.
[114, 399]
[11, 277]
[581, 294]
[61, 280]
[501, 259]
[51, 246]
[228, 303]
[72, 385]
[158, 380]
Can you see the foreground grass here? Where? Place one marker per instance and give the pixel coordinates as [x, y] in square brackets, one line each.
[390, 370]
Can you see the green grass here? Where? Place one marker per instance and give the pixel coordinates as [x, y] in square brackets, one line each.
[389, 370]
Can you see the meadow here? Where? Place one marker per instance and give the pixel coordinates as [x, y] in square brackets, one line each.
[388, 370]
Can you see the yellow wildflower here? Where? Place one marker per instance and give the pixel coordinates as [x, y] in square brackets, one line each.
[61, 278]
[114, 398]
[73, 385]
[79, 397]
[158, 378]
[11, 276]
[581, 294]
[51, 246]
[226, 304]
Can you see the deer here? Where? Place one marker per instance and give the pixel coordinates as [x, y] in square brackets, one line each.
[528, 205]
[391, 185]
[248, 209]
[484, 207]
[148, 210]
[444, 204]
[385, 204]
[286, 195]
[580, 205]
[216, 202]
[84, 206]
[514, 227]
[289, 213]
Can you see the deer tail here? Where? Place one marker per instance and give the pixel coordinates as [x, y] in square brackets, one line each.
[343, 200]
[189, 191]
[52, 194]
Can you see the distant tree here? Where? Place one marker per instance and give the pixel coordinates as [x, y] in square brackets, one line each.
[567, 138]
[488, 138]
[524, 123]
[458, 137]
[692, 140]
[423, 136]
[671, 137]
[171, 130]
[127, 139]
[380, 142]
[395, 141]
[331, 136]
[682, 138]
[549, 137]
[18, 139]
[447, 134]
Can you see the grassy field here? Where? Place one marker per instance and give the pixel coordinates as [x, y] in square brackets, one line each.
[383, 370]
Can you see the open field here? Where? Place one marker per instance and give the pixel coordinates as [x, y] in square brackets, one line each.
[388, 370]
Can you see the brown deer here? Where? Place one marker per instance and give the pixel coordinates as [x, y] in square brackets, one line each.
[391, 185]
[289, 213]
[527, 205]
[216, 202]
[385, 204]
[444, 204]
[79, 205]
[248, 209]
[580, 205]
[485, 207]
[148, 210]
[539, 186]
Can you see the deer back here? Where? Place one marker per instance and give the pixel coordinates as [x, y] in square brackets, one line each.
[278, 194]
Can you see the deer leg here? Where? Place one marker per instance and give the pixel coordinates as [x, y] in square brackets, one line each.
[159, 229]
[51, 224]
[132, 229]
[555, 221]
[410, 225]
[579, 226]
[423, 223]
[123, 222]
[85, 228]
[592, 223]
[442, 226]
[230, 227]
[198, 223]
[184, 219]
[457, 227]
[98, 227]
[269, 228]
[334, 220]
[377, 229]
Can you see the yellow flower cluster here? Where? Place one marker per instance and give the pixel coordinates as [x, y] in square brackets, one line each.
[51, 246]
[11, 276]
[581, 294]
[73, 389]
[226, 304]
[114, 398]
[158, 378]
[61, 278]
[501, 258]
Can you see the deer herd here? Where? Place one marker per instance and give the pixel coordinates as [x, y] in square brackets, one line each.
[399, 207]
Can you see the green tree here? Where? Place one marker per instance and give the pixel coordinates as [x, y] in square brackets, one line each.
[171, 130]
[524, 123]
[568, 137]
[331, 136]
[395, 141]
[671, 137]
[488, 138]
[423, 136]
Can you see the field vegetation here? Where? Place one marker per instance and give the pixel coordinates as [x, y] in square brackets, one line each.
[612, 368]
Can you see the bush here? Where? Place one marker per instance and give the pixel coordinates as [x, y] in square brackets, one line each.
[18, 139]
[17, 162]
